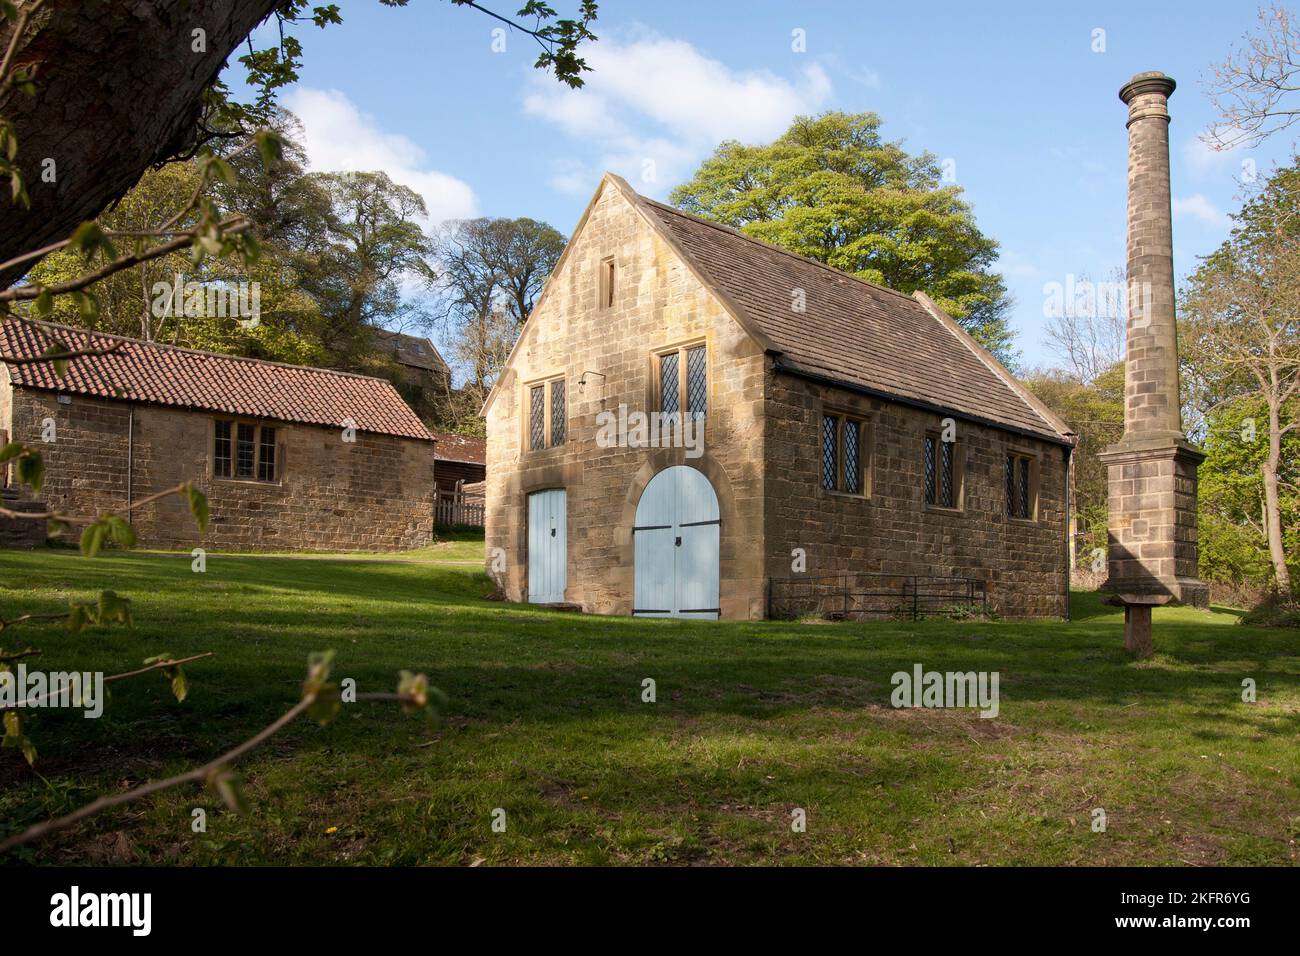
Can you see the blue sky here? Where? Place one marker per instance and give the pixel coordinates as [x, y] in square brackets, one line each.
[1012, 93]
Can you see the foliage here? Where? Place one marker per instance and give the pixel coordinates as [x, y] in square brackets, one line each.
[369, 244]
[1240, 338]
[491, 272]
[1095, 412]
[831, 188]
[1234, 545]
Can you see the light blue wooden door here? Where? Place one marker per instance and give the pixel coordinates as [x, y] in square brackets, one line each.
[547, 546]
[677, 546]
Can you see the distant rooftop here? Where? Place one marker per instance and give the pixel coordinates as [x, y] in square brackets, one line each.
[413, 350]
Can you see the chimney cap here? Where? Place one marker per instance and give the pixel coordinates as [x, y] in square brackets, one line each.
[1152, 81]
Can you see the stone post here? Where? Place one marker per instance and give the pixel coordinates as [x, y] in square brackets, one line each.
[1152, 469]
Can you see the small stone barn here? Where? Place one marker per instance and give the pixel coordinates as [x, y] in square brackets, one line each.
[830, 435]
[290, 457]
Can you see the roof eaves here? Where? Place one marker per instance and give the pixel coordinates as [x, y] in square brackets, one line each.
[789, 368]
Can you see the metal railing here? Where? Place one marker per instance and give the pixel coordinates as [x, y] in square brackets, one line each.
[859, 595]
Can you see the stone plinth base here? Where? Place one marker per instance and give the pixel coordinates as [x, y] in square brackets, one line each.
[1152, 525]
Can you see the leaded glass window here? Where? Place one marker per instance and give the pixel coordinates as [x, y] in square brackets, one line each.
[829, 429]
[697, 380]
[537, 417]
[559, 417]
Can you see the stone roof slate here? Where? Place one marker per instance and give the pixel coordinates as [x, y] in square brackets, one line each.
[851, 331]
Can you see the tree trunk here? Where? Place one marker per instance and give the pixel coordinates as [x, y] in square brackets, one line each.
[118, 87]
[1272, 505]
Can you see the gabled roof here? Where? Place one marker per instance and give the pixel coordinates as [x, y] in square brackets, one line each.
[854, 332]
[850, 333]
[413, 350]
[206, 381]
[466, 448]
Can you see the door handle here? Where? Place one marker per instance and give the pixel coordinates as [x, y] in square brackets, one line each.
[552, 532]
[679, 541]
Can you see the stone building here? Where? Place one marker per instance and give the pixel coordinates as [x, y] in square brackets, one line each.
[693, 421]
[424, 376]
[290, 457]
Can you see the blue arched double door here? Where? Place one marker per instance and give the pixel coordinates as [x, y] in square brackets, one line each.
[676, 536]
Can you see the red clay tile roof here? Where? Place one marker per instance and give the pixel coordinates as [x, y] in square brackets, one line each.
[452, 447]
[166, 375]
[852, 331]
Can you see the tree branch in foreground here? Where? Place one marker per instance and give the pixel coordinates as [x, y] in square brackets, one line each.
[318, 695]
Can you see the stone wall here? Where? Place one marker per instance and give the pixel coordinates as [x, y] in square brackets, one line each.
[375, 494]
[892, 530]
[658, 303]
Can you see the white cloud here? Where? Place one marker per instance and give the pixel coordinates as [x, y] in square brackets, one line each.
[1204, 159]
[1198, 207]
[339, 137]
[1016, 266]
[656, 105]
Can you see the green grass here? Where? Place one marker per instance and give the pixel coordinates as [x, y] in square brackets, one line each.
[544, 719]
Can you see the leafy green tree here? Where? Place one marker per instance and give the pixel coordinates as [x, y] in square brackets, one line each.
[1241, 336]
[285, 207]
[1233, 509]
[831, 188]
[369, 246]
[1094, 410]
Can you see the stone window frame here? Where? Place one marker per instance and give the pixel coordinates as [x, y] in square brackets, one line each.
[681, 350]
[866, 448]
[606, 283]
[546, 383]
[234, 421]
[958, 506]
[1021, 453]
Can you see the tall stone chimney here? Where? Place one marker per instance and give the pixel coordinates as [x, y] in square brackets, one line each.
[1152, 469]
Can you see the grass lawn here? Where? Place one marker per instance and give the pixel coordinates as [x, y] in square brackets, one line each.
[544, 719]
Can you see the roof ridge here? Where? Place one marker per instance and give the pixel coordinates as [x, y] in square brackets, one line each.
[189, 351]
[723, 227]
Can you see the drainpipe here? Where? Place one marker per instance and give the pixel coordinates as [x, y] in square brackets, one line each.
[1069, 516]
[130, 460]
